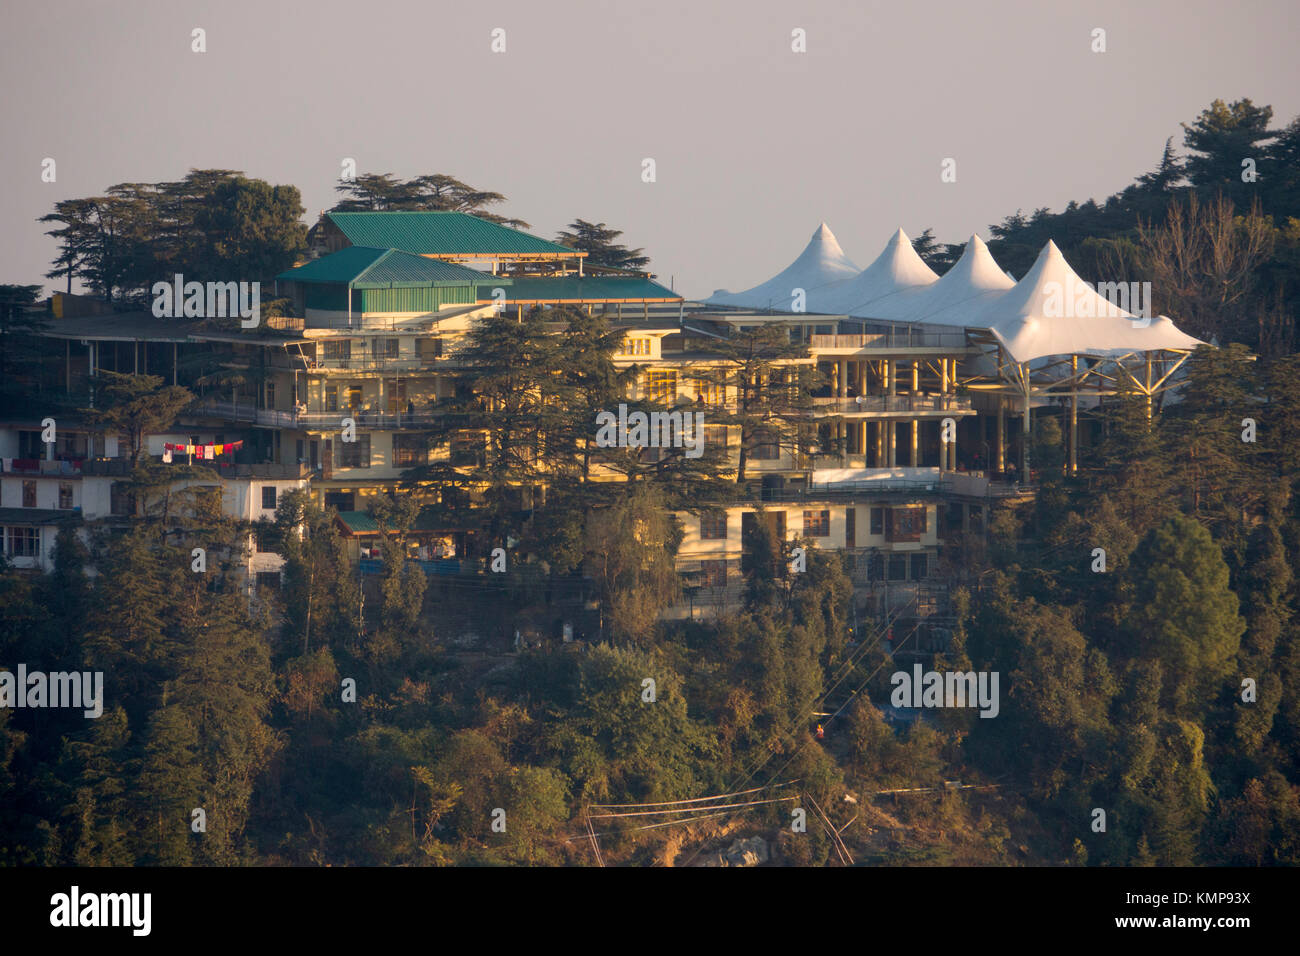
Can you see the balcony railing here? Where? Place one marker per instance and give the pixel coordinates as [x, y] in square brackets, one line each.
[271, 418]
[363, 363]
[893, 403]
[949, 483]
[892, 338]
[67, 468]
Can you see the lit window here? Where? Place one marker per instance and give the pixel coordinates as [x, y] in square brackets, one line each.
[661, 387]
[817, 524]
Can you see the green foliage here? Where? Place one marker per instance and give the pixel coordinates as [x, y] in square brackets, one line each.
[597, 241]
[1184, 612]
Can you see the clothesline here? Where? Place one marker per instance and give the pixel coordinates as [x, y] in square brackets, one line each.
[208, 452]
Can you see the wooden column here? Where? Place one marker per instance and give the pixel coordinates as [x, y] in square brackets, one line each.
[916, 441]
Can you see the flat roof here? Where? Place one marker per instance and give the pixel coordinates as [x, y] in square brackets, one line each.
[145, 326]
[582, 290]
[24, 516]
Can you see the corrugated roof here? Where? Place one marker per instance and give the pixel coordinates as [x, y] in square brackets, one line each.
[364, 267]
[442, 234]
[586, 289]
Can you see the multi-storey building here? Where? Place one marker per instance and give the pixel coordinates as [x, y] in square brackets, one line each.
[920, 425]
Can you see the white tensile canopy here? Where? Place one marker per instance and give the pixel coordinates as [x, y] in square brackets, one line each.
[973, 281]
[1051, 311]
[884, 289]
[822, 264]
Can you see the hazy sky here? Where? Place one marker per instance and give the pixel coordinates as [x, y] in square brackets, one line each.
[754, 144]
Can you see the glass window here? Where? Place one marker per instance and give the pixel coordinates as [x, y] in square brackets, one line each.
[877, 520]
[65, 495]
[355, 454]
[337, 351]
[713, 527]
[898, 567]
[714, 573]
[23, 542]
[331, 398]
[817, 524]
[709, 393]
[268, 496]
[410, 450]
[120, 500]
[920, 567]
[766, 446]
[661, 387]
[29, 494]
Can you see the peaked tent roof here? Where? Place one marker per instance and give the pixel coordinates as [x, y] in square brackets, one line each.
[874, 292]
[446, 234]
[821, 264]
[1051, 311]
[973, 281]
[363, 267]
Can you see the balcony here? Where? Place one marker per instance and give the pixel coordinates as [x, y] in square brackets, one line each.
[373, 364]
[124, 467]
[272, 418]
[60, 468]
[900, 488]
[876, 404]
[893, 339]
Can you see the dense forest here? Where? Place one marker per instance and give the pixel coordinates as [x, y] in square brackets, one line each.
[395, 719]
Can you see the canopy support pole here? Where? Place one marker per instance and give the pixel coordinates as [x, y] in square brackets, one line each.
[1074, 415]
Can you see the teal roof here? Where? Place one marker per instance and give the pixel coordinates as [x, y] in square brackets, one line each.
[362, 522]
[365, 267]
[585, 289]
[441, 234]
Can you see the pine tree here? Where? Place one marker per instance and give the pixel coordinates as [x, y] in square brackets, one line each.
[1184, 613]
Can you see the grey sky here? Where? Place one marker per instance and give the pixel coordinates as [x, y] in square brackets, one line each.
[754, 144]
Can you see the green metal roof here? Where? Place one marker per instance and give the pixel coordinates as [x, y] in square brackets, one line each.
[586, 289]
[364, 267]
[362, 522]
[441, 234]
